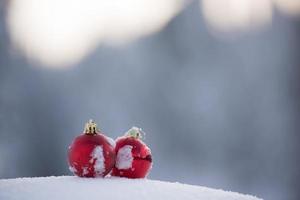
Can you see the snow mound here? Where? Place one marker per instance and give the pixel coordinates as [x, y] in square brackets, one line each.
[112, 188]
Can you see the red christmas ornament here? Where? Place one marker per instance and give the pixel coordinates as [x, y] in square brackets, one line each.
[134, 158]
[92, 153]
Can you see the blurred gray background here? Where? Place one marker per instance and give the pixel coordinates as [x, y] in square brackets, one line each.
[222, 113]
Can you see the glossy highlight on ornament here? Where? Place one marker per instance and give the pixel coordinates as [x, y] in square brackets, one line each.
[134, 159]
[91, 154]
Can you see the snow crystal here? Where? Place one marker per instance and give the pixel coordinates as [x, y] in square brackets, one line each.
[75, 188]
[124, 157]
[97, 155]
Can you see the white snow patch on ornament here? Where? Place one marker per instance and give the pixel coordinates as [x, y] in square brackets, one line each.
[97, 155]
[72, 169]
[124, 157]
[85, 171]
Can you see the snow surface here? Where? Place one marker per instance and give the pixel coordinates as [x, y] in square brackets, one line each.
[111, 188]
[124, 157]
[98, 158]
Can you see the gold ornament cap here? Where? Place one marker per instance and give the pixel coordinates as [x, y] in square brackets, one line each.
[90, 128]
[135, 132]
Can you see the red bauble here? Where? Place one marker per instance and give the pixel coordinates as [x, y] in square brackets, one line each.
[92, 153]
[134, 158]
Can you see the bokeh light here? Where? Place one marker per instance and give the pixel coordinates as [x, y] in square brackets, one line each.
[59, 33]
[291, 7]
[235, 15]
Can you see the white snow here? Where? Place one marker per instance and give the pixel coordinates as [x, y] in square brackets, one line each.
[124, 157]
[72, 169]
[111, 188]
[85, 171]
[111, 141]
[97, 155]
